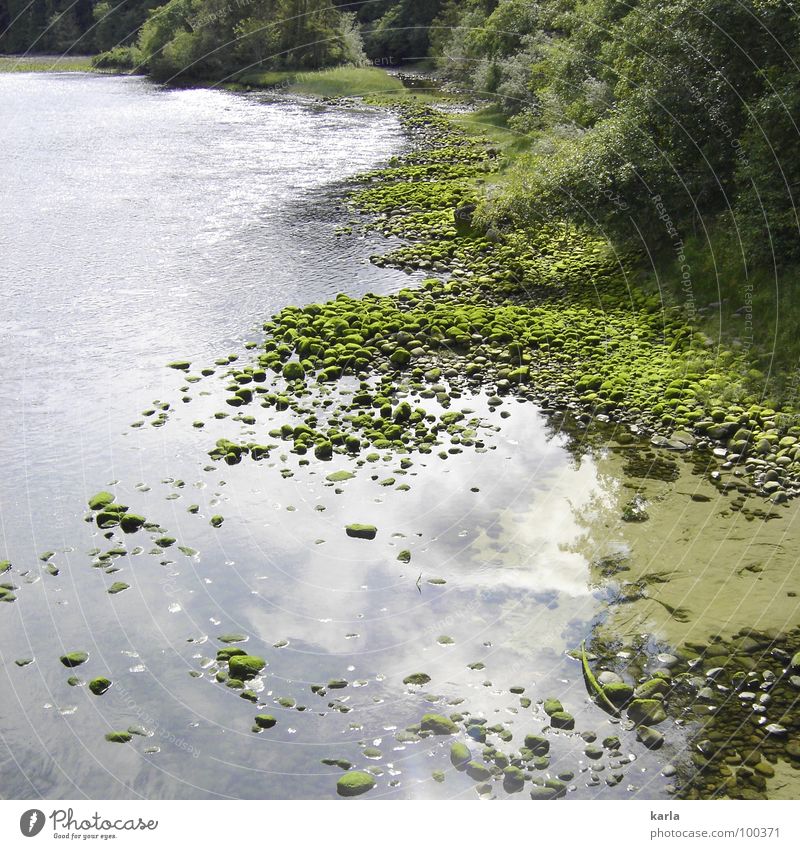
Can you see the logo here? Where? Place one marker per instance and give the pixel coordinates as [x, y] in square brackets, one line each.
[31, 822]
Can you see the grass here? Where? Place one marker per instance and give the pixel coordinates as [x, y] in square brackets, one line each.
[751, 309]
[492, 123]
[334, 82]
[9, 64]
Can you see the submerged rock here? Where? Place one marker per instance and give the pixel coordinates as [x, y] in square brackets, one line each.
[646, 711]
[650, 737]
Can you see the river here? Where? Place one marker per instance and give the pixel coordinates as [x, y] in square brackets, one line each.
[141, 224]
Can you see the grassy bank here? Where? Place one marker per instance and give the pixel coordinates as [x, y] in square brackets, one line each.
[11, 64]
[330, 83]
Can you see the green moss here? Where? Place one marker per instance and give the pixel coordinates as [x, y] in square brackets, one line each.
[75, 658]
[118, 587]
[265, 720]
[180, 365]
[216, 521]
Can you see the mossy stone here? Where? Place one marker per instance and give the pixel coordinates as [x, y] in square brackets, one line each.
[478, 771]
[552, 706]
[131, 522]
[355, 783]
[418, 679]
[119, 737]
[438, 724]
[460, 755]
[216, 521]
[537, 744]
[99, 685]
[562, 719]
[293, 371]
[75, 658]
[100, 500]
[359, 531]
[265, 720]
[246, 666]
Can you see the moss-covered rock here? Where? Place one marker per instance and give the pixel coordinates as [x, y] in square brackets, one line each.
[460, 755]
[245, 666]
[355, 783]
[537, 744]
[100, 500]
[99, 685]
[359, 531]
[562, 719]
[119, 737]
[265, 720]
[417, 679]
[75, 658]
[438, 724]
[131, 522]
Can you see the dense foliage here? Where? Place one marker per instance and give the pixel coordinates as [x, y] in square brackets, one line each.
[645, 117]
[70, 26]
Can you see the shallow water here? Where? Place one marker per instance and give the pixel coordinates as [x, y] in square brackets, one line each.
[147, 224]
